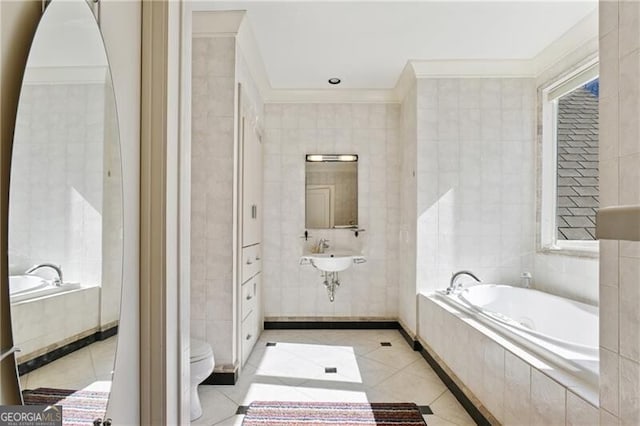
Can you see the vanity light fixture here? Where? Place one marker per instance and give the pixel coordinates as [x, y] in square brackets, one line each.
[332, 157]
[334, 80]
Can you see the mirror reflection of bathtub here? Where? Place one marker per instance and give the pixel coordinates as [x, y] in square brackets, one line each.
[47, 317]
[65, 208]
[24, 288]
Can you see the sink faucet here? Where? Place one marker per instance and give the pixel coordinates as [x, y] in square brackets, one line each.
[452, 284]
[57, 281]
[322, 244]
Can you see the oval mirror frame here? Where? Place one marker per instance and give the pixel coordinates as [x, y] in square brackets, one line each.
[66, 214]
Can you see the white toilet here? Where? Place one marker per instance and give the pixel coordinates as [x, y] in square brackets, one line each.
[202, 363]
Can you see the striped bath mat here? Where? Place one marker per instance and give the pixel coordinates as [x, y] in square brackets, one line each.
[332, 413]
[79, 407]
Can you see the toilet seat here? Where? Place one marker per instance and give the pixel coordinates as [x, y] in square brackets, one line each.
[200, 350]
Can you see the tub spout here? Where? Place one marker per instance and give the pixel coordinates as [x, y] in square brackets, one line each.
[452, 284]
[57, 281]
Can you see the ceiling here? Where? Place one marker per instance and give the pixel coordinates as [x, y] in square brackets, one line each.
[367, 44]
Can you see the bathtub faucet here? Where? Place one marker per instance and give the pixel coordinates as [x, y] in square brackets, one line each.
[452, 284]
[57, 281]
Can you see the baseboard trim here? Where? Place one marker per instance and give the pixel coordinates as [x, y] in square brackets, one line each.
[44, 359]
[411, 341]
[228, 378]
[462, 398]
[331, 325]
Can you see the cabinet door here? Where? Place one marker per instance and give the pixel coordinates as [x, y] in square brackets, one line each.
[251, 186]
[257, 187]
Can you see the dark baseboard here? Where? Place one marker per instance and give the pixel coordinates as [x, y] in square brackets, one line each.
[226, 378]
[58, 353]
[466, 403]
[415, 345]
[331, 325]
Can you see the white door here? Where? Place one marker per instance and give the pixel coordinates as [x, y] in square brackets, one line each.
[319, 206]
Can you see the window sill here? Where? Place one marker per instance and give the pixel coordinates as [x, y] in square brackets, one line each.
[591, 253]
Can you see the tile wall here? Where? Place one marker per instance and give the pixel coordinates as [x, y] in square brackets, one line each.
[372, 132]
[619, 185]
[407, 237]
[212, 148]
[475, 179]
[56, 192]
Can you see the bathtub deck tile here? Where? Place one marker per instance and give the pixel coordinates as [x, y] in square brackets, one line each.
[493, 379]
[517, 400]
[580, 412]
[548, 401]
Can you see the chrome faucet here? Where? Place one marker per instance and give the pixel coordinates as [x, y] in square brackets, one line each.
[322, 244]
[57, 281]
[452, 284]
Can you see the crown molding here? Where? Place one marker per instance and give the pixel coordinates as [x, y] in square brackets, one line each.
[219, 23]
[480, 68]
[405, 82]
[578, 42]
[330, 96]
[248, 46]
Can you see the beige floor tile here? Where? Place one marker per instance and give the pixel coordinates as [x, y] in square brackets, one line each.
[448, 408]
[81, 369]
[293, 370]
[231, 421]
[433, 420]
[412, 388]
[396, 356]
[216, 407]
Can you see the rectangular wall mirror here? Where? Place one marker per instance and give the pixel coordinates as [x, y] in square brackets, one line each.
[331, 191]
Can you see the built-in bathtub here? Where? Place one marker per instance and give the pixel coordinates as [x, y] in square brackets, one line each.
[512, 348]
[26, 287]
[46, 316]
[563, 331]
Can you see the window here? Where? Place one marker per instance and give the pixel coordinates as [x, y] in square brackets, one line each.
[570, 162]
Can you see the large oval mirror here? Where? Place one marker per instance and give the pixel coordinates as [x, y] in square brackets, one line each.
[65, 217]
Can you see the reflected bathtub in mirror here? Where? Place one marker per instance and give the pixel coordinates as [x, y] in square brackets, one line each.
[65, 212]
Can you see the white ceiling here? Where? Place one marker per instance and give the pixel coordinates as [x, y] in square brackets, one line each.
[367, 44]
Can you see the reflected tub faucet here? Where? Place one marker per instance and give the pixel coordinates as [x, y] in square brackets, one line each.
[57, 281]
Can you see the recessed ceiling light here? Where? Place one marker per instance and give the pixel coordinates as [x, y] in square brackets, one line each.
[334, 80]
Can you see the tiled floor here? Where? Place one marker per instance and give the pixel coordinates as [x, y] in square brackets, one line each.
[294, 370]
[87, 368]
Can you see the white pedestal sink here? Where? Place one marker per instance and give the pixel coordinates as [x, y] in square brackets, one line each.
[331, 261]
